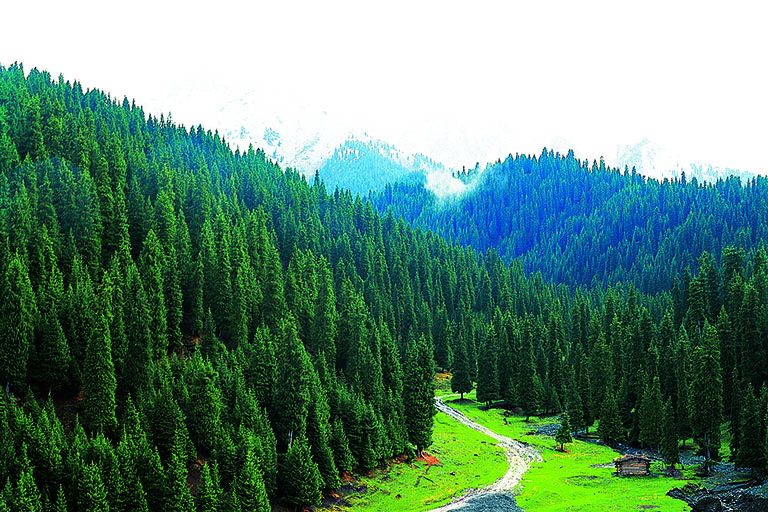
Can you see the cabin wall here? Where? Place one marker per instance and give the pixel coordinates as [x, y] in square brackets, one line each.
[630, 468]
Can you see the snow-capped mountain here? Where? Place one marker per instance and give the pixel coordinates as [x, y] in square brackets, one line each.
[369, 165]
[655, 161]
[305, 138]
[293, 134]
[310, 138]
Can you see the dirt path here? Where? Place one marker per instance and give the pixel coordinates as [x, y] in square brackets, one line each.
[498, 496]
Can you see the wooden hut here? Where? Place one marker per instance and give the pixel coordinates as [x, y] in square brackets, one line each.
[632, 465]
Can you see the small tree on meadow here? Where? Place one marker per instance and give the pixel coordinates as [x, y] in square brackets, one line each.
[564, 432]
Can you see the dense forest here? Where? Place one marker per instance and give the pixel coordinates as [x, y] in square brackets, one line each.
[188, 327]
[577, 222]
[365, 166]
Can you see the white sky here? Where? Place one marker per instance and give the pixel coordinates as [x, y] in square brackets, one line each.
[688, 75]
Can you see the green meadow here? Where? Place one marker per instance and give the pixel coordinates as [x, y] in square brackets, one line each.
[467, 460]
[570, 480]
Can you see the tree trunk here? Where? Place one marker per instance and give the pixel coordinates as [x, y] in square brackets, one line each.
[706, 455]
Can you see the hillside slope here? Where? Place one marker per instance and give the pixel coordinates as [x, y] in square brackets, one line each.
[575, 222]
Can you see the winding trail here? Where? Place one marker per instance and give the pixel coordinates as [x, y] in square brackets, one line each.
[500, 495]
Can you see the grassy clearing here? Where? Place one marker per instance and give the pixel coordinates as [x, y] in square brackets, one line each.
[567, 481]
[443, 384]
[468, 460]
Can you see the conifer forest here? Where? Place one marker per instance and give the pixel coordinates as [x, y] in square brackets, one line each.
[190, 327]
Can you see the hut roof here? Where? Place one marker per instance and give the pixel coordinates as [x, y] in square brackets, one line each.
[632, 456]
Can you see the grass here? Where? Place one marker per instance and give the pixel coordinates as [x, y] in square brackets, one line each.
[443, 384]
[567, 481]
[468, 460]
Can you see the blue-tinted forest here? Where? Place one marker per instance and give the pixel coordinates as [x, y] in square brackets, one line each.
[579, 223]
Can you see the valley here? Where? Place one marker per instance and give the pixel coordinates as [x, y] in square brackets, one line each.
[194, 327]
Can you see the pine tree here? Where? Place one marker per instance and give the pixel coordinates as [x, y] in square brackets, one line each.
[707, 395]
[261, 369]
[152, 268]
[610, 428]
[53, 353]
[17, 321]
[233, 502]
[488, 378]
[442, 337]
[564, 432]
[169, 430]
[138, 324]
[178, 497]
[418, 394]
[734, 425]
[209, 494]
[103, 455]
[127, 454]
[205, 405]
[340, 447]
[527, 379]
[319, 432]
[669, 448]
[293, 380]
[92, 495]
[601, 372]
[274, 307]
[683, 378]
[100, 384]
[28, 497]
[575, 407]
[650, 414]
[325, 318]
[461, 380]
[250, 486]
[751, 453]
[61, 501]
[301, 477]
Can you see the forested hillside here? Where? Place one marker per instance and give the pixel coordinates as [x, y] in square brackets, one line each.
[364, 166]
[577, 222]
[188, 327]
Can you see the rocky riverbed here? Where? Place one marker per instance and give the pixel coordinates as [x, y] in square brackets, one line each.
[750, 496]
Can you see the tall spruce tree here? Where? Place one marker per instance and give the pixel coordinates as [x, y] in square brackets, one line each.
[152, 269]
[683, 378]
[527, 388]
[461, 380]
[100, 385]
[610, 428]
[301, 477]
[563, 434]
[178, 497]
[751, 452]
[343, 457]
[651, 414]
[488, 378]
[209, 493]
[250, 486]
[707, 395]
[418, 393]
[669, 449]
[17, 320]
[574, 407]
[28, 496]
[294, 374]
